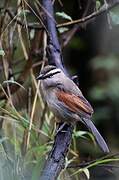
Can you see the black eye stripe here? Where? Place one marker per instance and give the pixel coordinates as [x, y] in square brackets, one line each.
[50, 75]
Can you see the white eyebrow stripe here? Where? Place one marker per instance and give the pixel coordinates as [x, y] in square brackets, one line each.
[53, 72]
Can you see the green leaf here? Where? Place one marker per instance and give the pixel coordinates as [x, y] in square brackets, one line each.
[64, 15]
[83, 133]
[87, 173]
[98, 4]
[2, 52]
[80, 133]
[62, 30]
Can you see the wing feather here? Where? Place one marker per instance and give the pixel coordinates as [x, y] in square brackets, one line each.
[75, 103]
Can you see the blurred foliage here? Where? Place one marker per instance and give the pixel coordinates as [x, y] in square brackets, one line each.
[107, 74]
[115, 16]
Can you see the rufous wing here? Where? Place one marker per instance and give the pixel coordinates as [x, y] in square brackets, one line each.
[75, 103]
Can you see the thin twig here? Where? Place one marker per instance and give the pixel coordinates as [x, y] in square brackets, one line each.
[84, 164]
[102, 10]
[32, 115]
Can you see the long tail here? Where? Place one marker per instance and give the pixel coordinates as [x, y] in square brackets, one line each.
[101, 142]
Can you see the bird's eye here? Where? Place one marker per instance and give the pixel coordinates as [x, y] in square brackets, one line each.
[50, 76]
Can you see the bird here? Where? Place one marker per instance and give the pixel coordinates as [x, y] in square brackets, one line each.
[66, 101]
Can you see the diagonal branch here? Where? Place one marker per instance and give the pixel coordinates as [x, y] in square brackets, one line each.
[56, 159]
[102, 10]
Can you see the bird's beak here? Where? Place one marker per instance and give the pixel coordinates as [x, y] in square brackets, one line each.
[39, 77]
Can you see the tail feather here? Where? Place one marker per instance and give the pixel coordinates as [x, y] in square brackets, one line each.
[101, 142]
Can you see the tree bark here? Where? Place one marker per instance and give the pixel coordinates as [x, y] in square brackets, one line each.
[56, 158]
